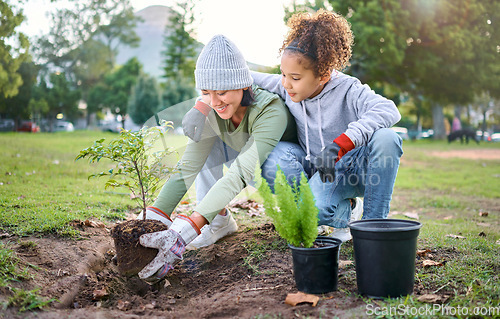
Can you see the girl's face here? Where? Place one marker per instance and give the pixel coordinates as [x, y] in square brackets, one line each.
[226, 103]
[300, 82]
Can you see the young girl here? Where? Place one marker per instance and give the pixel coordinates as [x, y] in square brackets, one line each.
[245, 125]
[345, 145]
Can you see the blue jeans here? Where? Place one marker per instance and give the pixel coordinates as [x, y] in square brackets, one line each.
[366, 171]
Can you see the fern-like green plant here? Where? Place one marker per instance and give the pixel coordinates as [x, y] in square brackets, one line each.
[292, 209]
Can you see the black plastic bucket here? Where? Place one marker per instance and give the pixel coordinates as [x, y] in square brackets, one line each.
[384, 255]
[316, 269]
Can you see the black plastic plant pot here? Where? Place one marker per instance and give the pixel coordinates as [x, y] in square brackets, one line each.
[316, 269]
[384, 256]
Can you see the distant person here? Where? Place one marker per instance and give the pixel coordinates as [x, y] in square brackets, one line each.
[346, 147]
[244, 124]
[456, 125]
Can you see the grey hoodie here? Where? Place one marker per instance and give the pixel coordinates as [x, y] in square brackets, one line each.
[343, 106]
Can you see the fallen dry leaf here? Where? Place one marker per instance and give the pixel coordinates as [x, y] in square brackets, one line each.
[122, 305]
[411, 215]
[455, 236]
[344, 263]
[483, 214]
[99, 294]
[430, 263]
[423, 252]
[300, 297]
[91, 223]
[166, 284]
[431, 298]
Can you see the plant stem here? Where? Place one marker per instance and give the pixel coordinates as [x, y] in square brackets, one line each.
[143, 195]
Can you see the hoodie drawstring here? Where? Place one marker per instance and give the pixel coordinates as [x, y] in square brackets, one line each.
[308, 152]
[320, 126]
[308, 156]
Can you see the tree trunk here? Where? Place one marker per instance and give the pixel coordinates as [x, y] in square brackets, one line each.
[484, 126]
[88, 118]
[418, 104]
[438, 122]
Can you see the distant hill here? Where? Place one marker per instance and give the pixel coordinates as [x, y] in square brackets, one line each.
[151, 32]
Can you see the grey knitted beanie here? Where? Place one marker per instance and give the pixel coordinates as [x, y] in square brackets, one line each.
[221, 66]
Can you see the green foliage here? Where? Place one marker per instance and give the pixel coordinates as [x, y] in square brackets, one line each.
[65, 46]
[177, 91]
[8, 267]
[145, 100]
[181, 50]
[120, 31]
[448, 49]
[82, 42]
[13, 50]
[44, 190]
[27, 300]
[60, 96]
[113, 91]
[18, 106]
[138, 166]
[293, 210]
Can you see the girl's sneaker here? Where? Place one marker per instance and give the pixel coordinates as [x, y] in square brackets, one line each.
[344, 234]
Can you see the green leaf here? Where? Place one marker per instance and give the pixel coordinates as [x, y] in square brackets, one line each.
[292, 209]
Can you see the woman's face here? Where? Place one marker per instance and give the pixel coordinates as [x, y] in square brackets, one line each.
[226, 103]
[300, 82]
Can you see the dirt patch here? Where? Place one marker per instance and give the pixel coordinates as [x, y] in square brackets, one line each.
[476, 154]
[245, 275]
[224, 280]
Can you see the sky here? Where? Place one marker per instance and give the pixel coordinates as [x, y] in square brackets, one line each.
[255, 26]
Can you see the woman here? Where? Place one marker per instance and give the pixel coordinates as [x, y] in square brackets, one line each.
[245, 125]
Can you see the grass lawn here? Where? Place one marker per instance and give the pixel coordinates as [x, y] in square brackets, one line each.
[43, 191]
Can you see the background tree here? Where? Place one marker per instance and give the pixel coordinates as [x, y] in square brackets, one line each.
[115, 90]
[61, 97]
[91, 68]
[13, 49]
[173, 94]
[17, 107]
[119, 31]
[437, 51]
[97, 20]
[145, 100]
[83, 40]
[181, 49]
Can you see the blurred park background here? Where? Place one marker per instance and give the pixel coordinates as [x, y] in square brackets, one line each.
[103, 65]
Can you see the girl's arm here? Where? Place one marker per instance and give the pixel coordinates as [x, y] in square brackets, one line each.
[373, 110]
[270, 82]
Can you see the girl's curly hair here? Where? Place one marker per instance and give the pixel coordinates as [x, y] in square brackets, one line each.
[324, 38]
